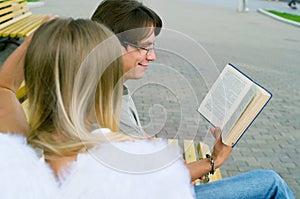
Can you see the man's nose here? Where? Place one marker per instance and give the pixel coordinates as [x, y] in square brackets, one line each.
[151, 56]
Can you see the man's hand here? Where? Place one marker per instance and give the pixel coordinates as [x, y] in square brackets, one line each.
[221, 151]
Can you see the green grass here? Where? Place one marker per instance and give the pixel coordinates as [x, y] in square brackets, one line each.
[27, 0]
[288, 16]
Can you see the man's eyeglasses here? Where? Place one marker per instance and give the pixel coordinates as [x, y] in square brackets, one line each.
[148, 50]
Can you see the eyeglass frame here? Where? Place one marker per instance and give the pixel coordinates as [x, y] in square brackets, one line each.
[140, 47]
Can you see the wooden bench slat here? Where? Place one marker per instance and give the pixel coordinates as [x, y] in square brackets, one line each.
[14, 20]
[31, 28]
[189, 151]
[173, 142]
[19, 25]
[25, 106]
[11, 8]
[190, 154]
[4, 4]
[30, 24]
[15, 14]
[21, 92]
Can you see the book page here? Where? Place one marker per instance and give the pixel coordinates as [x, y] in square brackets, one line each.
[233, 103]
[225, 97]
[252, 110]
[238, 111]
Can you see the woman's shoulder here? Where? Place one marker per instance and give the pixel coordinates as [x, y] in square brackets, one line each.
[20, 167]
[14, 147]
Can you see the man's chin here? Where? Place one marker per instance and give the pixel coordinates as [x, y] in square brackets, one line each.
[138, 77]
[135, 77]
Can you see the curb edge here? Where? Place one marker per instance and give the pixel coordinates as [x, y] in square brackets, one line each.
[264, 12]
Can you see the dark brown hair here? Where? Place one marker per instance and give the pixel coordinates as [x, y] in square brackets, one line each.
[128, 19]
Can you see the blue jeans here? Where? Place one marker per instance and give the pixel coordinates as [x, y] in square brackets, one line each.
[257, 184]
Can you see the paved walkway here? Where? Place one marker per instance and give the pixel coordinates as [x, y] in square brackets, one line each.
[253, 5]
[266, 49]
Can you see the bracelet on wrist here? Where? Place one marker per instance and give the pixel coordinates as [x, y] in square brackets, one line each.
[212, 163]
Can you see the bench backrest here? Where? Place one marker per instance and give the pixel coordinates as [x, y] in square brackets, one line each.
[12, 11]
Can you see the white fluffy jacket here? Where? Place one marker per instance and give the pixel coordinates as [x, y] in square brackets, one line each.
[114, 170]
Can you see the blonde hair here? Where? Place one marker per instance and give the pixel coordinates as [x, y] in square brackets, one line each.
[73, 74]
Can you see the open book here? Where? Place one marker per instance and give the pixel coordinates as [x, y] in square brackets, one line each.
[233, 103]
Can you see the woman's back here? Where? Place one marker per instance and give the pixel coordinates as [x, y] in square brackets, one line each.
[96, 174]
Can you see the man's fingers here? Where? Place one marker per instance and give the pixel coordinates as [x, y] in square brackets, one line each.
[216, 132]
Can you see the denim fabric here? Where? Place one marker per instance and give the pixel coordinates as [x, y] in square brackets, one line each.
[257, 184]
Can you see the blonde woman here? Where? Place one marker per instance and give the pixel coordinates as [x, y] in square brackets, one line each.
[72, 71]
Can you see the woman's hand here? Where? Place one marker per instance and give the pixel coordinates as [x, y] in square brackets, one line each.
[11, 72]
[221, 151]
[12, 116]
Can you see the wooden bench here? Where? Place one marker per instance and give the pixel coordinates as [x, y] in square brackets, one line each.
[16, 21]
[21, 93]
[194, 151]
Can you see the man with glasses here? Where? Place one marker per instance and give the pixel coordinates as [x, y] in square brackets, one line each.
[135, 64]
[136, 26]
